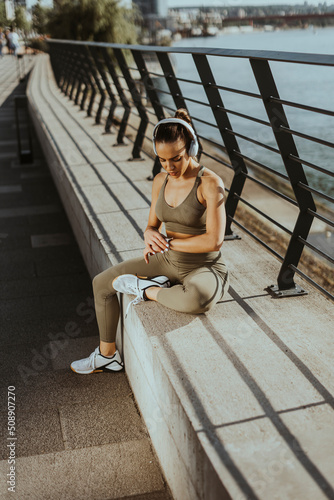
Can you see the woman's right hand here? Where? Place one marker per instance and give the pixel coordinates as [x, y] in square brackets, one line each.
[155, 241]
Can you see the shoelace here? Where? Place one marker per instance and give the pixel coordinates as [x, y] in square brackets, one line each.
[136, 291]
[92, 357]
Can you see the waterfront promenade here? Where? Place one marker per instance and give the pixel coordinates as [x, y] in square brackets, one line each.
[238, 402]
[76, 437]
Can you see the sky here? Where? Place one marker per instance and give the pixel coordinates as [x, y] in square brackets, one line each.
[220, 3]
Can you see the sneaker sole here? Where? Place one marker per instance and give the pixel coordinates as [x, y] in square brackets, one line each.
[117, 368]
[143, 278]
[98, 371]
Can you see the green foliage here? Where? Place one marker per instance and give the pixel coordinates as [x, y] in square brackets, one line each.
[39, 18]
[38, 44]
[92, 20]
[20, 20]
[3, 19]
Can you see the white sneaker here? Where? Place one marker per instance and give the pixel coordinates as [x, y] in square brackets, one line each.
[97, 363]
[135, 285]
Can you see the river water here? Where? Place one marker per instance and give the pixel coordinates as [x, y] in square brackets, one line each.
[306, 84]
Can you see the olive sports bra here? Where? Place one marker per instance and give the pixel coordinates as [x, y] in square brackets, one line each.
[189, 217]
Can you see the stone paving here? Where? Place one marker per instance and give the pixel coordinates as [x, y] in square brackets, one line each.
[75, 437]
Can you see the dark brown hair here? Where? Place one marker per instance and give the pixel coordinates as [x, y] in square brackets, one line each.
[171, 132]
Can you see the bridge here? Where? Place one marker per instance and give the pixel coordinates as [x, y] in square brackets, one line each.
[281, 20]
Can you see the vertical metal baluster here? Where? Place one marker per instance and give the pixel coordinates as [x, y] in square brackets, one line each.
[92, 66]
[70, 61]
[100, 67]
[63, 63]
[286, 144]
[124, 101]
[72, 65]
[137, 101]
[65, 71]
[231, 144]
[76, 77]
[88, 73]
[80, 80]
[54, 62]
[153, 96]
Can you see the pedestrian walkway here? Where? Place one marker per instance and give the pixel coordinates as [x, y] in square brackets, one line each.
[75, 437]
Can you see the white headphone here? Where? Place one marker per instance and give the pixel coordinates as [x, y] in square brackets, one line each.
[193, 148]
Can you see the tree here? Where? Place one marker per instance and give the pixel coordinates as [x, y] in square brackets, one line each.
[39, 18]
[91, 20]
[3, 17]
[20, 20]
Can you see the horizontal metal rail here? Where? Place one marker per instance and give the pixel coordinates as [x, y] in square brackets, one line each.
[266, 216]
[242, 115]
[237, 91]
[253, 141]
[321, 217]
[312, 282]
[261, 165]
[272, 190]
[315, 191]
[256, 238]
[312, 165]
[303, 106]
[307, 136]
[102, 78]
[317, 250]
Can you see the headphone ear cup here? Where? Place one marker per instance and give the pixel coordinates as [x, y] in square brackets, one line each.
[193, 148]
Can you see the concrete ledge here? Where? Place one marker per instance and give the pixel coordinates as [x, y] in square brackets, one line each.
[238, 402]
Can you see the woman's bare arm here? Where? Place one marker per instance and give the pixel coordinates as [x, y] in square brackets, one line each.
[154, 240]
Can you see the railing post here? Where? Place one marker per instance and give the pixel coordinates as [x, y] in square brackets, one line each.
[67, 51]
[175, 91]
[296, 174]
[56, 62]
[92, 66]
[95, 52]
[89, 76]
[171, 80]
[77, 74]
[124, 101]
[73, 67]
[137, 101]
[153, 96]
[231, 144]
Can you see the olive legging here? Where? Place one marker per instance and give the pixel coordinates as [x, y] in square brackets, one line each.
[198, 282]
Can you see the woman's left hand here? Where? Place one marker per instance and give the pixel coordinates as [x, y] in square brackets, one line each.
[147, 253]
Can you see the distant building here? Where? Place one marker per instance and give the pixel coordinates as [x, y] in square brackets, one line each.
[10, 9]
[148, 8]
[155, 25]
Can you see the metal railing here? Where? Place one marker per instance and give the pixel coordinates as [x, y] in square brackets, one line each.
[142, 80]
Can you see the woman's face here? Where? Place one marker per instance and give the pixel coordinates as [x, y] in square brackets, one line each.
[173, 157]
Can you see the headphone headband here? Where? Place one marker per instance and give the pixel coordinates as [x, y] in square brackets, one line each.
[193, 149]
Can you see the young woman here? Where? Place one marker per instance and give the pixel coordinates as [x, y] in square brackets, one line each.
[183, 269]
